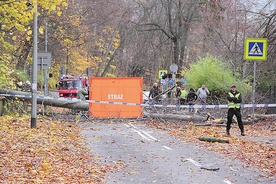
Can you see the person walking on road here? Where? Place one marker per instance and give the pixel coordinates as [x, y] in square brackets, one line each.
[202, 94]
[234, 108]
[154, 92]
[191, 98]
[178, 92]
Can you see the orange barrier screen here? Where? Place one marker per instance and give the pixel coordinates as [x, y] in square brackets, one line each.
[128, 89]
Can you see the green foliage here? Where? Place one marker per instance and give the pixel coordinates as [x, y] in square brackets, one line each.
[16, 24]
[21, 75]
[52, 83]
[6, 71]
[264, 83]
[213, 72]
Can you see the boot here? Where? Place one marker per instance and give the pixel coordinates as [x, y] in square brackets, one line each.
[242, 132]
[227, 132]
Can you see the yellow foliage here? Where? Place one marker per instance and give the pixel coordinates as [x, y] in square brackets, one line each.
[41, 30]
[68, 42]
[113, 67]
[16, 18]
[29, 32]
[64, 3]
[59, 13]
[110, 75]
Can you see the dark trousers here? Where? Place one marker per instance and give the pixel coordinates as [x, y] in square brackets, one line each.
[231, 113]
[182, 101]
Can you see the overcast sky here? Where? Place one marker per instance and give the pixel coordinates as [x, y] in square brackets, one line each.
[260, 4]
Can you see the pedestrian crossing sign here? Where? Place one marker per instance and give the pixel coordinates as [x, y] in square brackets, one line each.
[255, 49]
[162, 73]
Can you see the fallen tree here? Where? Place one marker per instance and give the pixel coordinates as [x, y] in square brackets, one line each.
[177, 117]
[26, 96]
[213, 139]
[165, 92]
[224, 121]
[265, 115]
[84, 106]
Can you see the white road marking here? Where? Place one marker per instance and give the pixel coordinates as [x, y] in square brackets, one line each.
[150, 136]
[199, 165]
[167, 147]
[127, 125]
[141, 134]
[227, 181]
[194, 162]
[133, 126]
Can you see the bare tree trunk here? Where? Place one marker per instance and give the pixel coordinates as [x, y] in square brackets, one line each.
[176, 117]
[70, 104]
[213, 139]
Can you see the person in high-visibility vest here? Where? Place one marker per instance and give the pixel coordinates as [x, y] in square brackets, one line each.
[183, 96]
[234, 108]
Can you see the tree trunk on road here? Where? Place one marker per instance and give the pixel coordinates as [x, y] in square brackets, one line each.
[213, 139]
[177, 117]
[70, 104]
[265, 115]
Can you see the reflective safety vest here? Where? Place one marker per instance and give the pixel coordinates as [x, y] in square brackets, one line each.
[232, 104]
[183, 94]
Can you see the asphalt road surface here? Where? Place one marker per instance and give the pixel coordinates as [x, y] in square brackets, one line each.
[153, 156]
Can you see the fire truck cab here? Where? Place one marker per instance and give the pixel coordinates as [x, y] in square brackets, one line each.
[69, 86]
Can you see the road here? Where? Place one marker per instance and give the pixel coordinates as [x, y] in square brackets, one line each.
[153, 156]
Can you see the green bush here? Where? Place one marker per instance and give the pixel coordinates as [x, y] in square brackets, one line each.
[52, 83]
[6, 71]
[215, 74]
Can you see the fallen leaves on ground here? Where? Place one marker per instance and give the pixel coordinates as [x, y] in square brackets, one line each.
[256, 154]
[53, 152]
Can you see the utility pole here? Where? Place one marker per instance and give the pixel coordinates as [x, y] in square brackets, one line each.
[34, 77]
[46, 77]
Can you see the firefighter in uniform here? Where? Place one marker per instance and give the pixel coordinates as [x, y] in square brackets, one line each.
[234, 108]
[82, 93]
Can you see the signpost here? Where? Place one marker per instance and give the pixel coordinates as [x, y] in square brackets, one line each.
[162, 82]
[44, 62]
[34, 74]
[173, 68]
[255, 49]
[161, 73]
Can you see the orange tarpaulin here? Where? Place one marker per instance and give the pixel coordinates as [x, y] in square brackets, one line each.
[128, 89]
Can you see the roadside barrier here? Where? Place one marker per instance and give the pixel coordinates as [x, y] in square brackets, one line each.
[143, 105]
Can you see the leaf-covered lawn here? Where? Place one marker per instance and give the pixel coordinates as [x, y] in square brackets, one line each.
[53, 152]
[259, 154]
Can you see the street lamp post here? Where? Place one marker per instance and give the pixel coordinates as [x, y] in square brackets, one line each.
[34, 76]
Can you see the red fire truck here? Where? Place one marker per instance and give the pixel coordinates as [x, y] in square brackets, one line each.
[69, 85]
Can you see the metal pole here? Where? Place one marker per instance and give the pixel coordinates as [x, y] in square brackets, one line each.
[41, 88]
[46, 90]
[254, 89]
[34, 77]
[46, 34]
